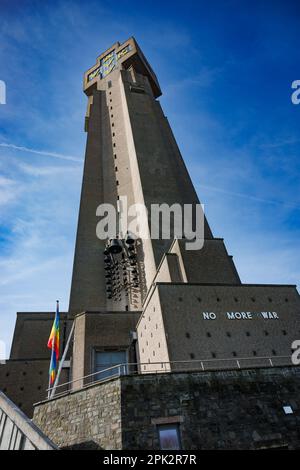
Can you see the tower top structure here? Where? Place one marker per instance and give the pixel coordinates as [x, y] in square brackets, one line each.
[125, 55]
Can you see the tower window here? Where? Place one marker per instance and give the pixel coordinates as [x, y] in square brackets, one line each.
[247, 333]
[199, 299]
[187, 335]
[109, 84]
[213, 354]
[180, 299]
[208, 334]
[228, 334]
[234, 353]
[274, 352]
[269, 299]
[192, 355]
[284, 332]
[266, 333]
[236, 299]
[117, 183]
[254, 353]
[116, 168]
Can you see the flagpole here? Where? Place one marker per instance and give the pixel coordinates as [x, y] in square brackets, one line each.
[52, 351]
[61, 363]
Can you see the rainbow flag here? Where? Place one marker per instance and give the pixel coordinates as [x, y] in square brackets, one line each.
[53, 344]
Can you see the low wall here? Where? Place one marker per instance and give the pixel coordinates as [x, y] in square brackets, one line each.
[89, 418]
[215, 410]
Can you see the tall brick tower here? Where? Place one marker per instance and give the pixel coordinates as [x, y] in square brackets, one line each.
[131, 152]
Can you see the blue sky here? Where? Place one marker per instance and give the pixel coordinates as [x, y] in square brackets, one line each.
[225, 68]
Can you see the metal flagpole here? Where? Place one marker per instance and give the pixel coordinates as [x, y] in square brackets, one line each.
[49, 384]
[51, 393]
[52, 351]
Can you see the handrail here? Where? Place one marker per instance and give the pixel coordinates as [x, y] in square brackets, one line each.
[167, 367]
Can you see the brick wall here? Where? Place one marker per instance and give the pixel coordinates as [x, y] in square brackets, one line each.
[88, 419]
[215, 410]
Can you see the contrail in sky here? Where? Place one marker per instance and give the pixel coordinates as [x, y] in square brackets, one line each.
[249, 196]
[42, 152]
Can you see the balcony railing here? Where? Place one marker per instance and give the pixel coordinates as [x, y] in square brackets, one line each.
[205, 365]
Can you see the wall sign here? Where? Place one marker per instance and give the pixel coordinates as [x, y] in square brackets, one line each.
[242, 315]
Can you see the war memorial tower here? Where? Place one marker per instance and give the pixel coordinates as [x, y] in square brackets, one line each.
[183, 326]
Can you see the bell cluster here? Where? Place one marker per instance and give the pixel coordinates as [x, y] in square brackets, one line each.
[121, 269]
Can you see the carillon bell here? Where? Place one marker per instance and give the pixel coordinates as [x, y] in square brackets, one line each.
[115, 246]
[121, 272]
[129, 240]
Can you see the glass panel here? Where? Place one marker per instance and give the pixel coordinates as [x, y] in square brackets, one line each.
[107, 359]
[169, 437]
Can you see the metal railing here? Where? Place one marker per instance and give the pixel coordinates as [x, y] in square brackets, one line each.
[205, 365]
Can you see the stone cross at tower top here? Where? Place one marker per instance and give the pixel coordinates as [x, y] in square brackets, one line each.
[125, 55]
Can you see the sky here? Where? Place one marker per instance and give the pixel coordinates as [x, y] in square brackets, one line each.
[225, 69]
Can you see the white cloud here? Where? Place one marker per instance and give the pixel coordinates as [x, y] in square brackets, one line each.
[37, 171]
[9, 190]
